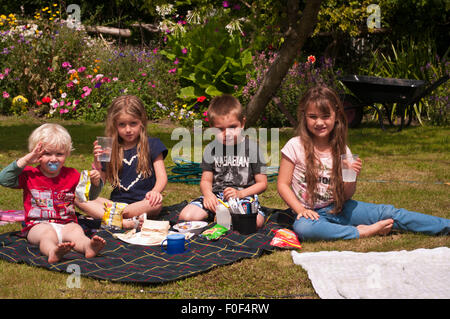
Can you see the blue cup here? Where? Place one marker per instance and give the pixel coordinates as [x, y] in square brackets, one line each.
[176, 244]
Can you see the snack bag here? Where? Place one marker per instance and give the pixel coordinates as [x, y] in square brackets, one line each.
[83, 187]
[112, 218]
[285, 238]
[214, 232]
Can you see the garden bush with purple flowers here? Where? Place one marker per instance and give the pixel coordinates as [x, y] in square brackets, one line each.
[62, 72]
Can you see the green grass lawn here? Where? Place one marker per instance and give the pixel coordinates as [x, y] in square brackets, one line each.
[409, 169]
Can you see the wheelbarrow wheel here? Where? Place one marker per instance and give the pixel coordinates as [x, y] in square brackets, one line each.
[353, 110]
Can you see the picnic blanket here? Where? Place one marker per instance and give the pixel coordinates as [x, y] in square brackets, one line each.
[122, 262]
[421, 273]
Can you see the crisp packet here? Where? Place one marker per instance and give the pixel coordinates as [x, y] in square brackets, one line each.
[214, 232]
[83, 187]
[285, 238]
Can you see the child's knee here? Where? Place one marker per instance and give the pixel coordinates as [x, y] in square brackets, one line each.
[307, 229]
[192, 212]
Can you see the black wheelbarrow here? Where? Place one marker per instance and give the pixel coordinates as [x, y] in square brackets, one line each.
[368, 90]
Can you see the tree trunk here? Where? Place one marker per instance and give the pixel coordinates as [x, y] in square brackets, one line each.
[300, 28]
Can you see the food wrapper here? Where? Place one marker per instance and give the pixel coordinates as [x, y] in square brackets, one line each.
[113, 216]
[214, 232]
[285, 238]
[83, 187]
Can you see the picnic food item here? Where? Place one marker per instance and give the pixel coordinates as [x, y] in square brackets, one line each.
[192, 226]
[285, 238]
[155, 230]
[214, 232]
[83, 187]
[112, 218]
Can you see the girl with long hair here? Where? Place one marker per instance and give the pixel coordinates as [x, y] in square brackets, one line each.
[310, 180]
[136, 170]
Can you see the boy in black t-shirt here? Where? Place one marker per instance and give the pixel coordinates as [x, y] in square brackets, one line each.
[232, 164]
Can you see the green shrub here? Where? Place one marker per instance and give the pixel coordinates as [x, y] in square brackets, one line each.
[65, 73]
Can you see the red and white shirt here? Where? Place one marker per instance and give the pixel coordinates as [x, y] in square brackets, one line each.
[48, 199]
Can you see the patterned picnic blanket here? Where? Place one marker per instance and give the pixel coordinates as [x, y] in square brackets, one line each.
[122, 262]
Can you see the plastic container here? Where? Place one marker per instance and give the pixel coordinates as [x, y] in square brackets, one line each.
[223, 216]
[244, 224]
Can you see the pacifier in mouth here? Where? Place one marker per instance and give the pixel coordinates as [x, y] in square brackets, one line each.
[53, 166]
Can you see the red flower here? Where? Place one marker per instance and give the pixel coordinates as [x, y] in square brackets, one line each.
[38, 102]
[201, 99]
[46, 100]
[311, 59]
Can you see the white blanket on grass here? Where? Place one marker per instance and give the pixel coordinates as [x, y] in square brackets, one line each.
[420, 273]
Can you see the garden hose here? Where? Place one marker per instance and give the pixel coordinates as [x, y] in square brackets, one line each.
[188, 172]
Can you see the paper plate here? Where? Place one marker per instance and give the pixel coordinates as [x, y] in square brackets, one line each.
[190, 227]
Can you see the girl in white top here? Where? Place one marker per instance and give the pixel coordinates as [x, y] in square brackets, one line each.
[310, 180]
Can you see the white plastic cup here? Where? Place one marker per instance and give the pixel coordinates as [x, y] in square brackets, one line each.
[106, 144]
[348, 173]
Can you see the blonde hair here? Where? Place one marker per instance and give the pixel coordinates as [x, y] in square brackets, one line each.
[225, 105]
[326, 100]
[51, 134]
[130, 105]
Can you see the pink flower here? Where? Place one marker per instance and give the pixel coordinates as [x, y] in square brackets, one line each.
[81, 69]
[2, 76]
[173, 70]
[5, 94]
[115, 79]
[62, 111]
[155, 50]
[7, 71]
[225, 4]
[61, 103]
[184, 50]
[66, 65]
[176, 61]
[70, 84]
[144, 74]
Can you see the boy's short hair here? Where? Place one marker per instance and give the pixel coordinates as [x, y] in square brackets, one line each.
[51, 134]
[224, 105]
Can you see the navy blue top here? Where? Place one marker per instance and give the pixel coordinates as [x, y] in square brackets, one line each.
[133, 186]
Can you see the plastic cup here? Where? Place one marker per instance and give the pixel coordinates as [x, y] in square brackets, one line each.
[176, 244]
[106, 144]
[348, 174]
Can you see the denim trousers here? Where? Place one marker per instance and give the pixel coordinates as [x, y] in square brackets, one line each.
[354, 213]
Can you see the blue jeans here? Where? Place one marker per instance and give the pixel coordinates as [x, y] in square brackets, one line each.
[354, 213]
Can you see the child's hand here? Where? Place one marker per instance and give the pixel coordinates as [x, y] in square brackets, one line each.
[95, 177]
[210, 202]
[357, 165]
[97, 152]
[154, 198]
[230, 192]
[308, 213]
[33, 157]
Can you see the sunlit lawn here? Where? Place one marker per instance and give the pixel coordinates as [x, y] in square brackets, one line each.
[409, 169]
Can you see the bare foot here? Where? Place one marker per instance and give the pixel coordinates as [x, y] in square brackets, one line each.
[59, 251]
[383, 227]
[97, 243]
